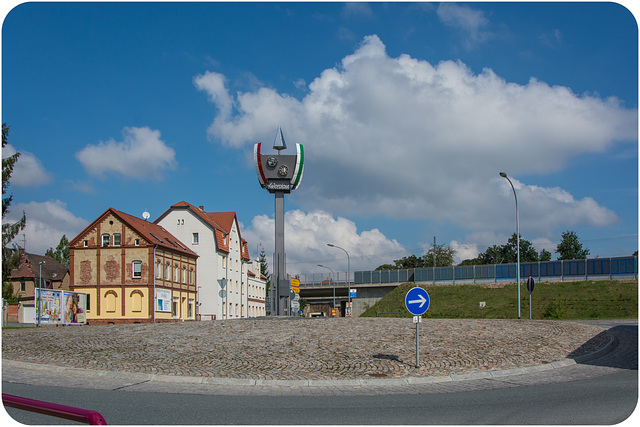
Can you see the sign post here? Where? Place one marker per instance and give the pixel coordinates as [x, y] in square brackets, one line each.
[417, 302]
[530, 285]
[279, 175]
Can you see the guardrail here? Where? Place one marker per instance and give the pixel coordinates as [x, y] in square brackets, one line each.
[80, 415]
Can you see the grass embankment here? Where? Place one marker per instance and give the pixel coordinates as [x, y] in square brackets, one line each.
[585, 300]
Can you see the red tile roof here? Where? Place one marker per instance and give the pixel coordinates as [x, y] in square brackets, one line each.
[29, 267]
[221, 222]
[152, 233]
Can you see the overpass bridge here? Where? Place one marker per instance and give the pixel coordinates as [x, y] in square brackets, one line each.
[368, 287]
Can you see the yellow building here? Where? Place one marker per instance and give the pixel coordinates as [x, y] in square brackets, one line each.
[133, 271]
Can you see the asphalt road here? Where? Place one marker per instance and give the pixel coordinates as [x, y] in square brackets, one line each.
[608, 399]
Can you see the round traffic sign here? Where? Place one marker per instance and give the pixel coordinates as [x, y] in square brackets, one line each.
[417, 301]
[531, 283]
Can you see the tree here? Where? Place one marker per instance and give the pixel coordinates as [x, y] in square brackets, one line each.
[264, 270]
[545, 255]
[506, 254]
[444, 256]
[9, 231]
[10, 256]
[570, 247]
[61, 252]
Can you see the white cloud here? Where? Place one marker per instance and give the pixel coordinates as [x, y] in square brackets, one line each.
[28, 170]
[472, 22]
[46, 223]
[306, 237]
[141, 155]
[403, 138]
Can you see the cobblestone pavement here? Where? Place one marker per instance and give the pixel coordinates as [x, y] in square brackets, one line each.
[313, 356]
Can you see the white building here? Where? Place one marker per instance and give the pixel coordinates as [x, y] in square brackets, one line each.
[229, 283]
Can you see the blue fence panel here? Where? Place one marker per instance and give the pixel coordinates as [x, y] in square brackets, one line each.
[384, 276]
[573, 268]
[623, 265]
[597, 266]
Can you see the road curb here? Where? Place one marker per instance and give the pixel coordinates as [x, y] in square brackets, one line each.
[136, 377]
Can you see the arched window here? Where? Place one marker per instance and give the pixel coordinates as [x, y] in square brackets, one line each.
[111, 298]
[136, 301]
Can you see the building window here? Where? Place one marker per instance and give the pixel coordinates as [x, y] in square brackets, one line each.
[158, 270]
[116, 239]
[167, 272]
[136, 242]
[184, 274]
[105, 239]
[191, 276]
[176, 277]
[85, 243]
[174, 307]
[23, 286]
[137, 269]
[190, 309]
[196, 238]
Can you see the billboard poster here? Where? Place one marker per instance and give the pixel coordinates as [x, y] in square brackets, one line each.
[163, 298]
[57, 307]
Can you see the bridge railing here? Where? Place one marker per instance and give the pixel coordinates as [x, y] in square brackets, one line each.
[559, 270]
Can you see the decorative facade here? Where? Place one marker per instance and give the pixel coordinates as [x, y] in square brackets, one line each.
[133, 271]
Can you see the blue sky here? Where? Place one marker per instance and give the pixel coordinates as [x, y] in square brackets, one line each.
[407, 112]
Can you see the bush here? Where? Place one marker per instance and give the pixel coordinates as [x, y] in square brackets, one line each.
[555, 310]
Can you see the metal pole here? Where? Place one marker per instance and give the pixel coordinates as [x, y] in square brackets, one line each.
[334, 283]
[279, 242]
[38, 308]
[418, 343]
[504, 175]
[348, 274]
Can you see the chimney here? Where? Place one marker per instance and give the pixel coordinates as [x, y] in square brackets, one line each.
[201, 208]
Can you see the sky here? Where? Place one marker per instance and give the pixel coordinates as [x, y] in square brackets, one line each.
[407, 113]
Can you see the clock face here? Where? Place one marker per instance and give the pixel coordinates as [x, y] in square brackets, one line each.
[283, 170]
[272, 162]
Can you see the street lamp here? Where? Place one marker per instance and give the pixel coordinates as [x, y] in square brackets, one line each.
[333, 274]
[39, 309]
[504, 175]
[348, 273]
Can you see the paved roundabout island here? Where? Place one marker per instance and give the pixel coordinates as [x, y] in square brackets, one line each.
[307, 351]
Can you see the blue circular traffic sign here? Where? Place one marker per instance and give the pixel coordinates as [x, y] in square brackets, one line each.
[417, 301]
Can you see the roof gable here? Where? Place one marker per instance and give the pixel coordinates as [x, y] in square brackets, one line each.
[152, 233]
[29, 267]
[220, 222]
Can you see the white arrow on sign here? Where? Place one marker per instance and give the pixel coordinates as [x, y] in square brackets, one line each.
[422, 300]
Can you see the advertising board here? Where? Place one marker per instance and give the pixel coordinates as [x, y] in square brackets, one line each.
[163, 296]
[58, 307]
